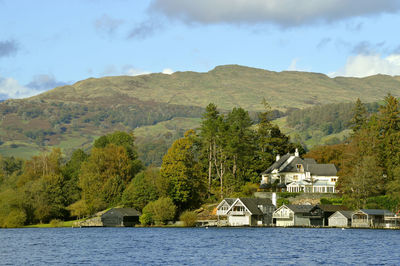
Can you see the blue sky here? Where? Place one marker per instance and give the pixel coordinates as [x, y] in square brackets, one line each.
[44, 44]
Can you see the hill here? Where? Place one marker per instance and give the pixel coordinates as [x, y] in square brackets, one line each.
[72, 116]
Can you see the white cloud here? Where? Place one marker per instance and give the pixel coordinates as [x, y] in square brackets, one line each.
[293, 65]
[288, 13]
[10, 88]
[167, 71]
[366, 65]
[135, 72]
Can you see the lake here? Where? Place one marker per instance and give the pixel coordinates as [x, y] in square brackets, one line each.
[198, 246]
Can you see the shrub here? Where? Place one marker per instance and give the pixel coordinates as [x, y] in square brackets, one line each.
[188, 218]
[56, 223]
[325, 201]
[161, 210]
[146, 219]
[288, 194]
[282, 201]
[15, 219]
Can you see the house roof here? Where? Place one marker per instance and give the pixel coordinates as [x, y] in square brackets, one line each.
[376, 212]
[289, 162]
[277, 164]
[309, 161]
[346, 214]
[229, 201]
[123, 212]
[331, 208]
[300, 208]
[252, 204]
[322, 169]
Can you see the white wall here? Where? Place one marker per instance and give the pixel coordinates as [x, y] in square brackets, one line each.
[239, 220]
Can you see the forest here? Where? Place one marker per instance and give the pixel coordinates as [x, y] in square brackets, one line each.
[224, 157]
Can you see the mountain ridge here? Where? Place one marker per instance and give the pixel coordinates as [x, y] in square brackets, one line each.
[72, 116]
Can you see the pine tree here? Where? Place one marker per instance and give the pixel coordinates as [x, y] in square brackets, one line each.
[359, 117]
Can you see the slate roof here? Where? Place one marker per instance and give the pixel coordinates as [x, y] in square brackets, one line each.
[346, 214]
[252, 204]
[277, 164]
[331, 208]
[309, 161]
[376, 212]
[300, 208]
[123, 212]
[309, 164]
[322, 169]
[230, 201]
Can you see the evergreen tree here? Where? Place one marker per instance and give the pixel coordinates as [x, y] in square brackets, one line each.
[359, 117]
[210, 125]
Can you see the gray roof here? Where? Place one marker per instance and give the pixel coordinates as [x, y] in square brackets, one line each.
[122, 212]
[309, 161]
[309, 164]
[322, 169]
[376, 212]
[346, 214]
[277, 164]
[300, 208]
[230, 201]
[331, 208]
[252, 204]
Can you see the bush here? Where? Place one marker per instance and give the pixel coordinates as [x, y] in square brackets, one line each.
[325, 201]
[282, 201]
[333, 201]
[382, 202]
[288, 194]
[15, 219]
[56, 223]
[146, 219]
[188, 218]
[161, 210]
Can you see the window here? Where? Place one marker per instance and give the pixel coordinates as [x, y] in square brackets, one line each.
[298, 166]
[333, 179]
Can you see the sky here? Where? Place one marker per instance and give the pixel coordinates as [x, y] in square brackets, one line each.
[45, 44]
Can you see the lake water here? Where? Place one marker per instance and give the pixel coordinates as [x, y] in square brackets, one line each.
[199, 246]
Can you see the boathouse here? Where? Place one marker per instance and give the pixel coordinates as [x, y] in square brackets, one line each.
[369, 218]
[120, 217]
[292, 215]
[340, 219]
[250, 212]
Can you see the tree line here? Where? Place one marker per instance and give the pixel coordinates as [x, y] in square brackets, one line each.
[223, 158]
[369, 160]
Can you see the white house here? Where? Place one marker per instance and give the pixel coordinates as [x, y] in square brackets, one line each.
[292, 215]
[294, 174]
[250, 212]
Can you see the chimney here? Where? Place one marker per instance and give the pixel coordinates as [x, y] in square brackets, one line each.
[296, 153]
[278, 157]
[274, 199]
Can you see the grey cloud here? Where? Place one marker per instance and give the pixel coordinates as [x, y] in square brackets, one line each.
[106, 24]
[44, 82]
[396, 50]
[286, 13]
[324, 42]
[8, 48]
[367, 48]
[144, 29]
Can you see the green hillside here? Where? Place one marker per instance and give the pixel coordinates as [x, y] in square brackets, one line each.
[160, 107]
